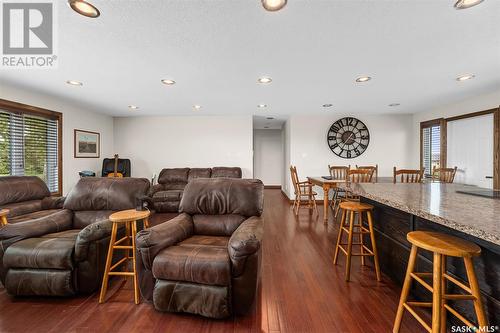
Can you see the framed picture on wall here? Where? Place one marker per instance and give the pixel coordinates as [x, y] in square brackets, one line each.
[87, 144]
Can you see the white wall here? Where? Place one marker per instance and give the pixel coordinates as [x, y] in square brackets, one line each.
[73, 118]
[154, 143]
[268, 156]
[390, 145]
[478, 103]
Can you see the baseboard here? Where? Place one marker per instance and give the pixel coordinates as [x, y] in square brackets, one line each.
[276, 187]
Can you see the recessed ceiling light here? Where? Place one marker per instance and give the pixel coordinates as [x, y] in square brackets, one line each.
[266, 127]
[363, 79]
[197, 107]
[394, 104]
[264, 80]
[270, 118]
[273, 5]
[133, 107]
[84, 8]
[74, 83]
[168, 82]
[463, 4]
[261, 106]
[328, 105]
[465, 77]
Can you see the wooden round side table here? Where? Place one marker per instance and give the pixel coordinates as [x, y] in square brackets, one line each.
[127, 243]
[3, 216]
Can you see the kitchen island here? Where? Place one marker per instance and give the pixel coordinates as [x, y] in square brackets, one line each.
[401, 208]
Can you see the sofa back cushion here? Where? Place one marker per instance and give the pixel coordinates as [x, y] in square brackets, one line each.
[219, 196]
[174, 179]
[226, 172]
[199, 173]
[106, 193]
[22, 188]
[217, 225]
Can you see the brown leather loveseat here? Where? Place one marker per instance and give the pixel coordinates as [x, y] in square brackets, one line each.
[166, 195]
[64, 254]
[205, 261]
[27, 198]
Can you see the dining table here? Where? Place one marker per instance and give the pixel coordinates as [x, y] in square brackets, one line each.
[326, 183]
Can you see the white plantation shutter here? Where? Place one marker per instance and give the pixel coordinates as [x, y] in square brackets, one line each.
[431, 148]
[29, 146]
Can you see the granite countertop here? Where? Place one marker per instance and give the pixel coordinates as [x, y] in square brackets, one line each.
[439, 203]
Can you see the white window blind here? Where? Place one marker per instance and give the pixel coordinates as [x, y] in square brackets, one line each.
[431, 148]
[29, 146]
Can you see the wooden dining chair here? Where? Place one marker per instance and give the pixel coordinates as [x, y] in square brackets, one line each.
[370, 167]
[302, 190]
[408, 175]
[444, 175]
[338, 173]
[355, 176]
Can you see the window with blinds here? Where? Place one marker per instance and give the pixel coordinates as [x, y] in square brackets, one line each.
[431, 148]
[29, 146]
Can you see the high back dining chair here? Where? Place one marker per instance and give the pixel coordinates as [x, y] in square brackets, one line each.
[302, 190]
[408, 175]
[444, 175]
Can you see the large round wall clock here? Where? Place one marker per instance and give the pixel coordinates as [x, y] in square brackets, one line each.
[348, 137]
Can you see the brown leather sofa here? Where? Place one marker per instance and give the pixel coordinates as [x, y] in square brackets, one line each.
[166, 195]
[64, 254]
[27, 198]
[205, 261]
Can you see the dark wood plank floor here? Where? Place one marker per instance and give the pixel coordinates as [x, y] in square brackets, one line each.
[300, 291]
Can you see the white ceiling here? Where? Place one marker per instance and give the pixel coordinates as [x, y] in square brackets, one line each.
[312, 49]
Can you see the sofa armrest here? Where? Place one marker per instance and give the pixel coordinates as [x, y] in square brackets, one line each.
[245, 241]
[155, 188]
[91, 233]
[151, 241]
[59, 221]
[53, 202]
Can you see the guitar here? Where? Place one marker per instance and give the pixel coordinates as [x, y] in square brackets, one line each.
[115, 173]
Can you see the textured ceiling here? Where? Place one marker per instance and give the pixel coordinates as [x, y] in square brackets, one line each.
[312, 49]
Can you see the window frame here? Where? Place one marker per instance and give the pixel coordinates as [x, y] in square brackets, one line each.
[441, 122]
[21, 108]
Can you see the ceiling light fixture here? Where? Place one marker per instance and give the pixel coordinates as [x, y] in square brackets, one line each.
[363, 79]
[327, 105]
[465, 77]
[394, 104]
[197, 107]
[168, 82]
[84, 8]
[133, 107]
[273, 5]
[261, 106]
[265, 80]
[464, 4]
[74, 83]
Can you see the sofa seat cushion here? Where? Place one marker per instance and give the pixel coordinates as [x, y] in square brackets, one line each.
[199, 264]
[198, 240]
[33, 216]
[70, 234]
[43, 252]
[169, 195]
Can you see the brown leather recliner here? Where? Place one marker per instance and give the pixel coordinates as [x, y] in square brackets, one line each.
[167, 194]
[205, 261]
[27, 198]
[65, 253]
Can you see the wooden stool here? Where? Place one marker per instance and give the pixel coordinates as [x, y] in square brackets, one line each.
[129, 218]
[3, 216]
[441, 245]
[356, 208]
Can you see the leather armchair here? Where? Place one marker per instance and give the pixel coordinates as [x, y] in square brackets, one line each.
[64, 254]
[27, 198]
[206, 260]
[167, 194]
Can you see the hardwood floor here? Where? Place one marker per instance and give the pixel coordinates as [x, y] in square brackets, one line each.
[300, 291]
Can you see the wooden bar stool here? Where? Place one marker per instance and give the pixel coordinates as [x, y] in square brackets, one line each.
[354, 208]
[3, 216]
[127, 243]
[442, 245]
